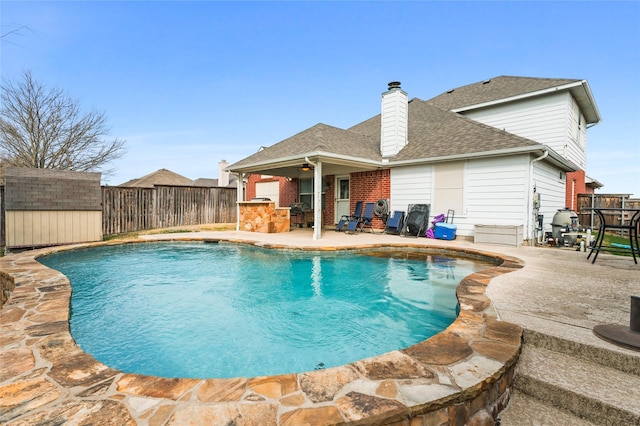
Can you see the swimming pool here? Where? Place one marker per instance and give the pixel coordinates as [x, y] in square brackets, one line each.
[227, 310]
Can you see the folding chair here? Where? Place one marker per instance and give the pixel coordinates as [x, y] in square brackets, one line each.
[344, 220]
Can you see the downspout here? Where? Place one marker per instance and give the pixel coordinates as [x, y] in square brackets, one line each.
[317, 198]
[534, 219]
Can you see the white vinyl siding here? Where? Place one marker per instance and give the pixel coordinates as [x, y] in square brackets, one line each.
[496, 191]
[546, 119]
[410, 185]
[394, 118]
[546, 179]
[576, 147]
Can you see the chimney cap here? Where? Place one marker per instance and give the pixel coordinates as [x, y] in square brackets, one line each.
[394, 85]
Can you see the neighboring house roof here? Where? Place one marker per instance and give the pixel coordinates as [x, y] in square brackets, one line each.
[159, 177]
[206, 182]
[504, 89]
[592, 183]
[212, 183]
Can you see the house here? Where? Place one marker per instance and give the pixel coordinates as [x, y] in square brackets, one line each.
[167, 177]
[159, 177]
[554, 112]
[496, 152]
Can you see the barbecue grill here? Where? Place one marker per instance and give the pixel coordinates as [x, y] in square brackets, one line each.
[297, 213]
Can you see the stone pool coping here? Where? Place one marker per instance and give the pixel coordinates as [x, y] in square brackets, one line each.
[461, 375]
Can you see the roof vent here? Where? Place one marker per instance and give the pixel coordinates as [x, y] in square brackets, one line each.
[486, 81]
[394, 85]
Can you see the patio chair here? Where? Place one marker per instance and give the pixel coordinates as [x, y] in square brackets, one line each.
[345, 219]
[394, 223]
[367, 217]
[417, 220]
[356, 223]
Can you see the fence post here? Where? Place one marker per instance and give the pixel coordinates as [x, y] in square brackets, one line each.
[622, 216]
[593, 204]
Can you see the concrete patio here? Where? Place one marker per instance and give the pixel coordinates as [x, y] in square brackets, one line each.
[557, 298]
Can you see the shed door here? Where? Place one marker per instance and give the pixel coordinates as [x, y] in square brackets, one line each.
[269, 190]
[342, 197]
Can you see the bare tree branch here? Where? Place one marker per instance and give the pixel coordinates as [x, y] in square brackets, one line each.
[16, 30]
[44, 128]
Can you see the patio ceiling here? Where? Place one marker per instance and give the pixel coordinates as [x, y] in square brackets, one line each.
[292, 167]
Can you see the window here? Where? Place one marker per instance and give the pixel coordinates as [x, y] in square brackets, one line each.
[306, 192]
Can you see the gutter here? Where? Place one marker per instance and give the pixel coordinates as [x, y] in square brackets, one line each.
[530, 209]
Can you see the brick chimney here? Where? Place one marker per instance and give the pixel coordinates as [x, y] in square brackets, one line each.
[395, 107]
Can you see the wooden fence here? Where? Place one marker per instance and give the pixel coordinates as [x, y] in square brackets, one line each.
[137, 209]
[590, 219]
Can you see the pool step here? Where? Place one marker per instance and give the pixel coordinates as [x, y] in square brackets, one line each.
[574, 380]
[525, 410]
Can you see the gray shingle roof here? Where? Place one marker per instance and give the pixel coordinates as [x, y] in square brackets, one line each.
[159, 177]
[434, 132]
[319, 138]
[496, 88]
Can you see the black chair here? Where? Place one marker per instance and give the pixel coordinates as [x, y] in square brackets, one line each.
[417, 220]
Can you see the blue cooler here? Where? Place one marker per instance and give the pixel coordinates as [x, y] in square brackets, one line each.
[445, 231]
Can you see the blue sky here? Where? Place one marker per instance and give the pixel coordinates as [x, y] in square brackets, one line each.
[188, 84]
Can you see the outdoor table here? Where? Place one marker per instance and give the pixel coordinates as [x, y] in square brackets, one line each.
[631, 227]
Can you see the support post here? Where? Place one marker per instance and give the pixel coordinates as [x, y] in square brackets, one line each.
[317, 200]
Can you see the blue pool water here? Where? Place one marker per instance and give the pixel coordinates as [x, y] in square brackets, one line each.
[224, 310]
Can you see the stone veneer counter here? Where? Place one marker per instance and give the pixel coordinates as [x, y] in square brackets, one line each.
[462, 375]
[264, 216]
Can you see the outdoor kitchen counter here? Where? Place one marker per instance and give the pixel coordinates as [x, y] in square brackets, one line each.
[264, 216]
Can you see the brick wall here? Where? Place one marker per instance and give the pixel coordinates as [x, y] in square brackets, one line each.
[288, 189]
[370, 187]
[364, 186]
[288, 192]
[575, 185]
[44, 189]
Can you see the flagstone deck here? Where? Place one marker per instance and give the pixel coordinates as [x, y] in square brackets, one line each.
[460, 376]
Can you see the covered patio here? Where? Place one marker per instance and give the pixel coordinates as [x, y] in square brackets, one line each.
[319, 165]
